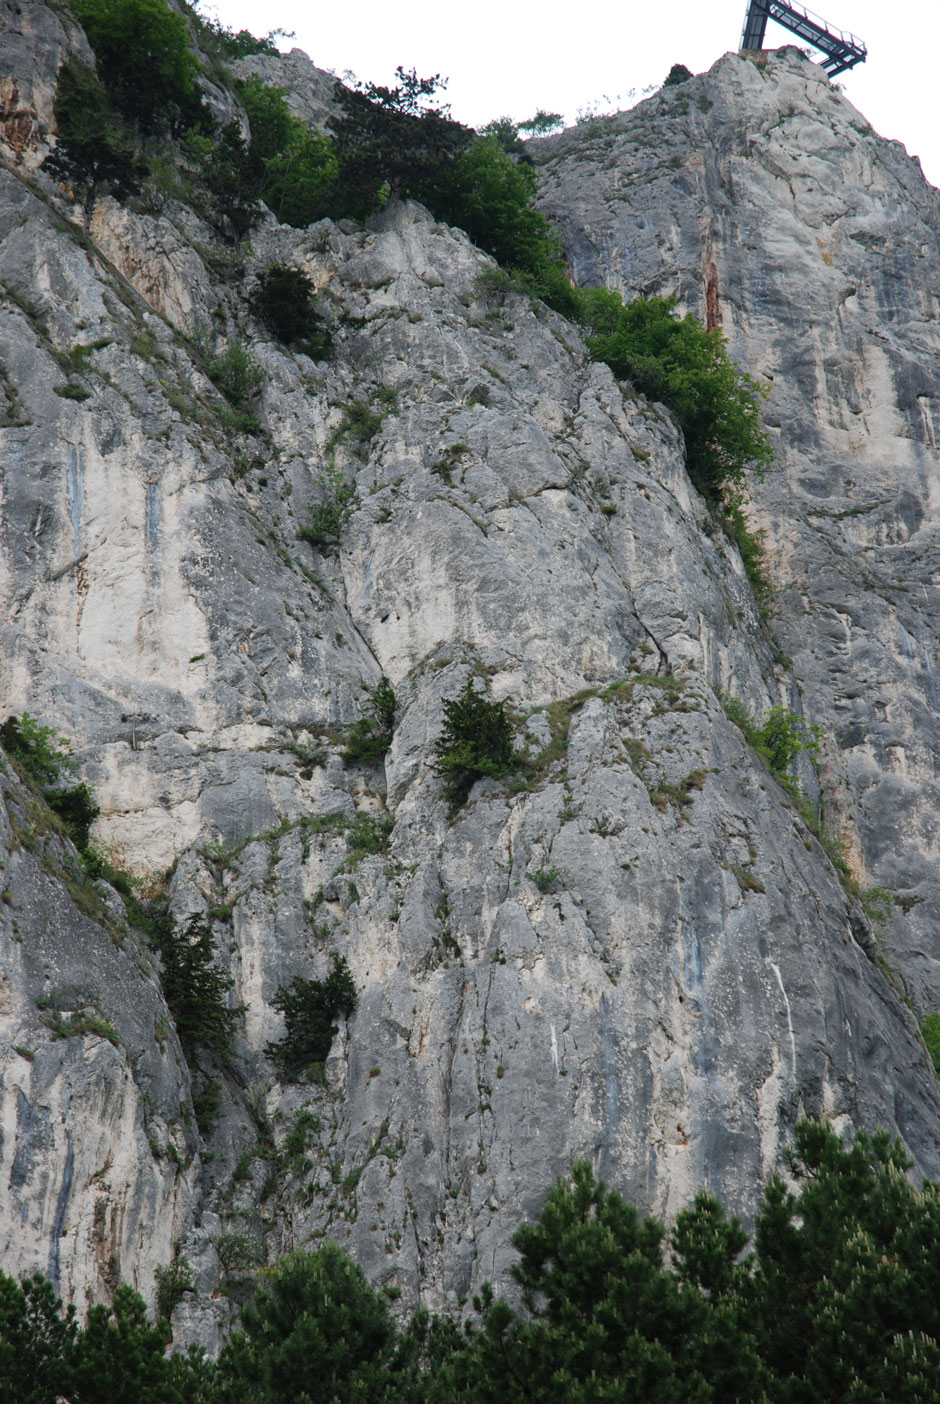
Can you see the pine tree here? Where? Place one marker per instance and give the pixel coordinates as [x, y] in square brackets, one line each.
[94, 149]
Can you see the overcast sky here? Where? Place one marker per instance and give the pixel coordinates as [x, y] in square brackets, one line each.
[514, 56]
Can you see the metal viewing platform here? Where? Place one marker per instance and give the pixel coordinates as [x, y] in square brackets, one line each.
[841, 50]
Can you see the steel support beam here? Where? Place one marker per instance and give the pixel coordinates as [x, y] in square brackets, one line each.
[840, 49]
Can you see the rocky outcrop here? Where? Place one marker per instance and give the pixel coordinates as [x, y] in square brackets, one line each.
[636, 951]
[98, 1153]
[760, 197]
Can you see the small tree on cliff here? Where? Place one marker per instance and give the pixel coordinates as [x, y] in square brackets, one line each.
[94, 148]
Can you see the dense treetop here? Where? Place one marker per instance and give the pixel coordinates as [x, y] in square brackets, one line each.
[835, 1299]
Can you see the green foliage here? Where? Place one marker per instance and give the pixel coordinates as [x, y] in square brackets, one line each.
[930, 1032]
[542, 123]
[369, 833]
[784, 736]
[545, 878]
[835, 1299]
[390, 140]
[328, 517]
[490, 196]
[284, 301]
[207, 1103]
[677, 74]
[476, 740]
[299, 169]
[677, 361]
[36, 1342]
[173, 1282]
[505, 131]
[223, 43]
[750, 544]
[117, 1358]
[316, 1330]
[44, 759]
[120, 1355]
[236, 373]
[233, 178]
[37, 751]
[194, 987]
[145, 62]
[94, 149]
[310, 1008]
[845, 1269]
[370, 737]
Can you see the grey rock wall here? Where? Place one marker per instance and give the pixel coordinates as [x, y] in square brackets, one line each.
[639, 953]
[761, 198]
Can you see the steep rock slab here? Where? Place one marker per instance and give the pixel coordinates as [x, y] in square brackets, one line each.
[761, 197]
[640, 954]
[98, 1159]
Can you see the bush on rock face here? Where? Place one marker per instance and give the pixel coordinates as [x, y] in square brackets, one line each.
[145, 62]
[94, 149]
[310, 1008]
[477, 740]
[675, 360]
[284, 301]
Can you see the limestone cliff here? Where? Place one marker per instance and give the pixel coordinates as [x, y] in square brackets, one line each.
[643, 955]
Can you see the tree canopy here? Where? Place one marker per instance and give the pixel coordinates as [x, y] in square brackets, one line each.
[144, 59]
[94, 149]
[835, 1299]
[389, 140]
[675, 360]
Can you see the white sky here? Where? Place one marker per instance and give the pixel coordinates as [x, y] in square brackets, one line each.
[515, 56]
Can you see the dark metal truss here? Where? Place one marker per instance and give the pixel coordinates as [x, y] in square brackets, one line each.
[841, 50]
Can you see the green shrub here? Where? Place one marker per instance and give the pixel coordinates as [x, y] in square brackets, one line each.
[389, 140]
[173, 1282]
[233, 179]
[207, 1103]
[677, 361]
[44, 758]
[930, 1031]
[195, 987]
[310, 1008]
[545, 878]
[369, 833]
[284, 301]
[94, 151]
[144, 60]
[236, 373]
[299, 168]
[37, 750]
[489, 195]
[677, 74]
[329, 516]
[784, 735]
[221, 42]
[370, 737]
[476, 741]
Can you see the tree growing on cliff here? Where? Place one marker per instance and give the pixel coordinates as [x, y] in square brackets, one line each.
[195, 987]
[389, 140]
[145, 62]
[476, 740]
[297, 168]
[675, 360]
[94, 150]
[490, 195]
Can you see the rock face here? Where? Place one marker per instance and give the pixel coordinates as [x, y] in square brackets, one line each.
[762, 199]
[637, 952]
